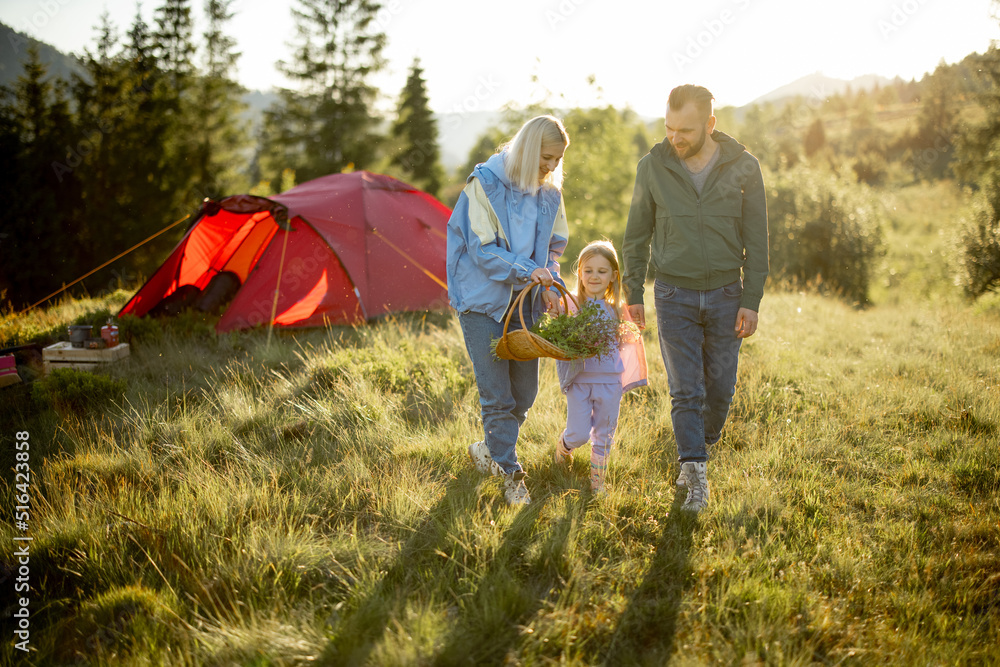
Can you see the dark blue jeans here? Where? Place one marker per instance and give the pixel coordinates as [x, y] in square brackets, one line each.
[507, 389]
[700, 352]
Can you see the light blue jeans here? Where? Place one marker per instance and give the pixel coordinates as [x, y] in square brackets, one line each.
[700, 352]
[507, 389]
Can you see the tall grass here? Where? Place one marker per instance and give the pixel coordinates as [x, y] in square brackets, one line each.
[310, 501]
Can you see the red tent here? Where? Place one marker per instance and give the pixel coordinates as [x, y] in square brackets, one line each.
[339, 249]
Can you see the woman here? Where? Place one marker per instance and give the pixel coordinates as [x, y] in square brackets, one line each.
[506, 234]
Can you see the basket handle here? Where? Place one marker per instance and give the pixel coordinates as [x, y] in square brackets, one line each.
[519, 303]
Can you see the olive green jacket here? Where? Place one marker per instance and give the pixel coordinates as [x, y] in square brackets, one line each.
[698, 242]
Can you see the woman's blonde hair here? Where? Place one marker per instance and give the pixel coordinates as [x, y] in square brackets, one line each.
[524, 150]
[613, 294]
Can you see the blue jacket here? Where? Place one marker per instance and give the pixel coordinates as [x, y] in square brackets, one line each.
[483, 271]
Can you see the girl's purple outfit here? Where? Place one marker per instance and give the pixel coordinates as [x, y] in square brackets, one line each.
[594, 389]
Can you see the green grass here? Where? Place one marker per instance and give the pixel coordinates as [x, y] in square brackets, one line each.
[310, 501]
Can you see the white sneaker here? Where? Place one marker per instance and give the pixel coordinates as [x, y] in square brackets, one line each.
[682, 480]
[481, 459]
[696, 478]
[514, 489]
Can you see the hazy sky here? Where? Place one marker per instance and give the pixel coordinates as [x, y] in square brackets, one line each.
[482, 55]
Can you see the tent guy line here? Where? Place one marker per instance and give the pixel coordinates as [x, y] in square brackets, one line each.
[110, 261]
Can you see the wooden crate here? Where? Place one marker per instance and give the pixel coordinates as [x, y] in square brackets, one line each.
[64, 355]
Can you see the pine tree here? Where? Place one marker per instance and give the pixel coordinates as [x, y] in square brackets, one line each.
[328, 120]
[175, 50]
[937, 125]
[980, 165]
[104, 102]
[37, 129]
[815, 139]
[416, 131]
[127, 114]
[220, 131]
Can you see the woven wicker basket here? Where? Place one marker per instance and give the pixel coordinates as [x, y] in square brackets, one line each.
[524, 345]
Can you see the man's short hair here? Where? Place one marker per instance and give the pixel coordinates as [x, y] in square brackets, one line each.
[681, 95]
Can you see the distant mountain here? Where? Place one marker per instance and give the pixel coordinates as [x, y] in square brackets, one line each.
[14, 51]
[457, 131]
[818, 87]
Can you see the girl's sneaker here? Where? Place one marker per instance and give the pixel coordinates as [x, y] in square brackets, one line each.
[563, 454]
[514, 489]
[597, 480]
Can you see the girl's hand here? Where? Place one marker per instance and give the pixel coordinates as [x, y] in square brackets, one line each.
[541, 275]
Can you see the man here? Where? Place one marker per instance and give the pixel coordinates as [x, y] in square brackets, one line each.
[699, 199]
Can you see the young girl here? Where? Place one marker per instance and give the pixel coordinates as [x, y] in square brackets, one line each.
[506, 233]
[594, 386]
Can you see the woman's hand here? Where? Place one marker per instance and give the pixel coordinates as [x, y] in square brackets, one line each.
[553, 303]
[542, 276]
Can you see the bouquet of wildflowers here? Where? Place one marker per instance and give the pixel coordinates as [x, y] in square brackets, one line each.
[586, 333]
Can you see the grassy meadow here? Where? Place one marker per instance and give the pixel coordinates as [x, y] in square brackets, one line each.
[308, 498]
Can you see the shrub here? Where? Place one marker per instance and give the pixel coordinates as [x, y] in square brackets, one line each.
[823, 231]
[979, 253]
[132, 328]
[67, 390]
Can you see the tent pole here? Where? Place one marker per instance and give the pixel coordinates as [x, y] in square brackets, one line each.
[277, 285]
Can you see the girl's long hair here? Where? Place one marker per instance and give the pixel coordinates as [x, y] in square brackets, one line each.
[613, 294]
[523, 152]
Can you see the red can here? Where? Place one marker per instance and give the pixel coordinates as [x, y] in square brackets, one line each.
[109, 332]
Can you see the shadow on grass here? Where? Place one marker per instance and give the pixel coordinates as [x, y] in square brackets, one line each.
[647, 629]
[512, 591]
[487, 626]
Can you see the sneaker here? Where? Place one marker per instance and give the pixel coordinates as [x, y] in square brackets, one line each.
[481, 459]
[597, 480]
[682, 480]
[514, 489]
[696, 478]
[563, 454]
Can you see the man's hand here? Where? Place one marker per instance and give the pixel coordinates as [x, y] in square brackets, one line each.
[638, 315]
[541, 275]
[746, 323]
